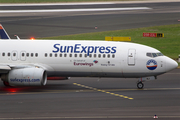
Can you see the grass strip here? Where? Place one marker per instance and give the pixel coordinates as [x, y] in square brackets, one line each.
[169, 45]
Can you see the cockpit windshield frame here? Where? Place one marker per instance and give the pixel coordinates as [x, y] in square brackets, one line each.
[153, 55]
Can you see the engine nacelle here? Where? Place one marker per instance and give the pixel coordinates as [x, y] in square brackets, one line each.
[26, 77]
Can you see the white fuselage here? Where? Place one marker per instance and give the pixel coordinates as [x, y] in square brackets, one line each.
[85, 58]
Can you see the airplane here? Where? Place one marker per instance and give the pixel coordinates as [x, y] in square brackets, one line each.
[25, 62]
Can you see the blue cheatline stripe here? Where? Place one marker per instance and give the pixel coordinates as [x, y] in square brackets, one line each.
[152, 68]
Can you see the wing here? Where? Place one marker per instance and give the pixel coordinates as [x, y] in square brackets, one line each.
[4, 69]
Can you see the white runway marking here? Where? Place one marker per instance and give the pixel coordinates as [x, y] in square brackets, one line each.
[87, 3]
[58, 4]
[74, 10]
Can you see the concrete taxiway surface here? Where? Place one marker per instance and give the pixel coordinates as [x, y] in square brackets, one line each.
[81, 98]
[93, 98]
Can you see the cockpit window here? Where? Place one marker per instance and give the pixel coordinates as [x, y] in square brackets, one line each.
[149, 54]
[160, 54]
[154, 54]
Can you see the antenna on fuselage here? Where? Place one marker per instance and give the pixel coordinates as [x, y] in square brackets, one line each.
[17, 37]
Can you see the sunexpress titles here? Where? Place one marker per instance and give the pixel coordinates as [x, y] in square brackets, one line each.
[78, 48]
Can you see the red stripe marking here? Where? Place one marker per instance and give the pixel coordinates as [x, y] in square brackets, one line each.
[56, 78]
[1, 27]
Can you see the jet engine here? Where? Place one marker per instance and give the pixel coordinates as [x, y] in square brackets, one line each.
[25, 77]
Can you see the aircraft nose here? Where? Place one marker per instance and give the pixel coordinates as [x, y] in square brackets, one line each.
[170, 64]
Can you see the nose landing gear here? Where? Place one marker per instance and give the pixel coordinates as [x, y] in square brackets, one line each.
[140, 85]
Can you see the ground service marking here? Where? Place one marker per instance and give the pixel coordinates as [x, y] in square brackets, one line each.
[99, 90]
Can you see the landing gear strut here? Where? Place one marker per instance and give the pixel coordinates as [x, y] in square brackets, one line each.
[140, 85]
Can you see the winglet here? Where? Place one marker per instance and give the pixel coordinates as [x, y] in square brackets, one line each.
[3, 33]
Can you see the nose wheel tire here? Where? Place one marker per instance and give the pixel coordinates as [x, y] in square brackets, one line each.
[140, 85]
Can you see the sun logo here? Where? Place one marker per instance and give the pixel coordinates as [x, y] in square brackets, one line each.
[151, 64]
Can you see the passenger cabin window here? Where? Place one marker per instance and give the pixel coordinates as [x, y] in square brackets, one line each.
[113, 56]
[3, 54]
[32, 54]
[14, 54]
[27, 54]
[9, 54]
[55, 55]
[75, 55]
[65, 55]
[36, 54]
[45, 54]
[80, 55]
[50, 54]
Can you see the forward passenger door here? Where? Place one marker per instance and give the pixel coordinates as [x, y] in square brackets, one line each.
[131, 57]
